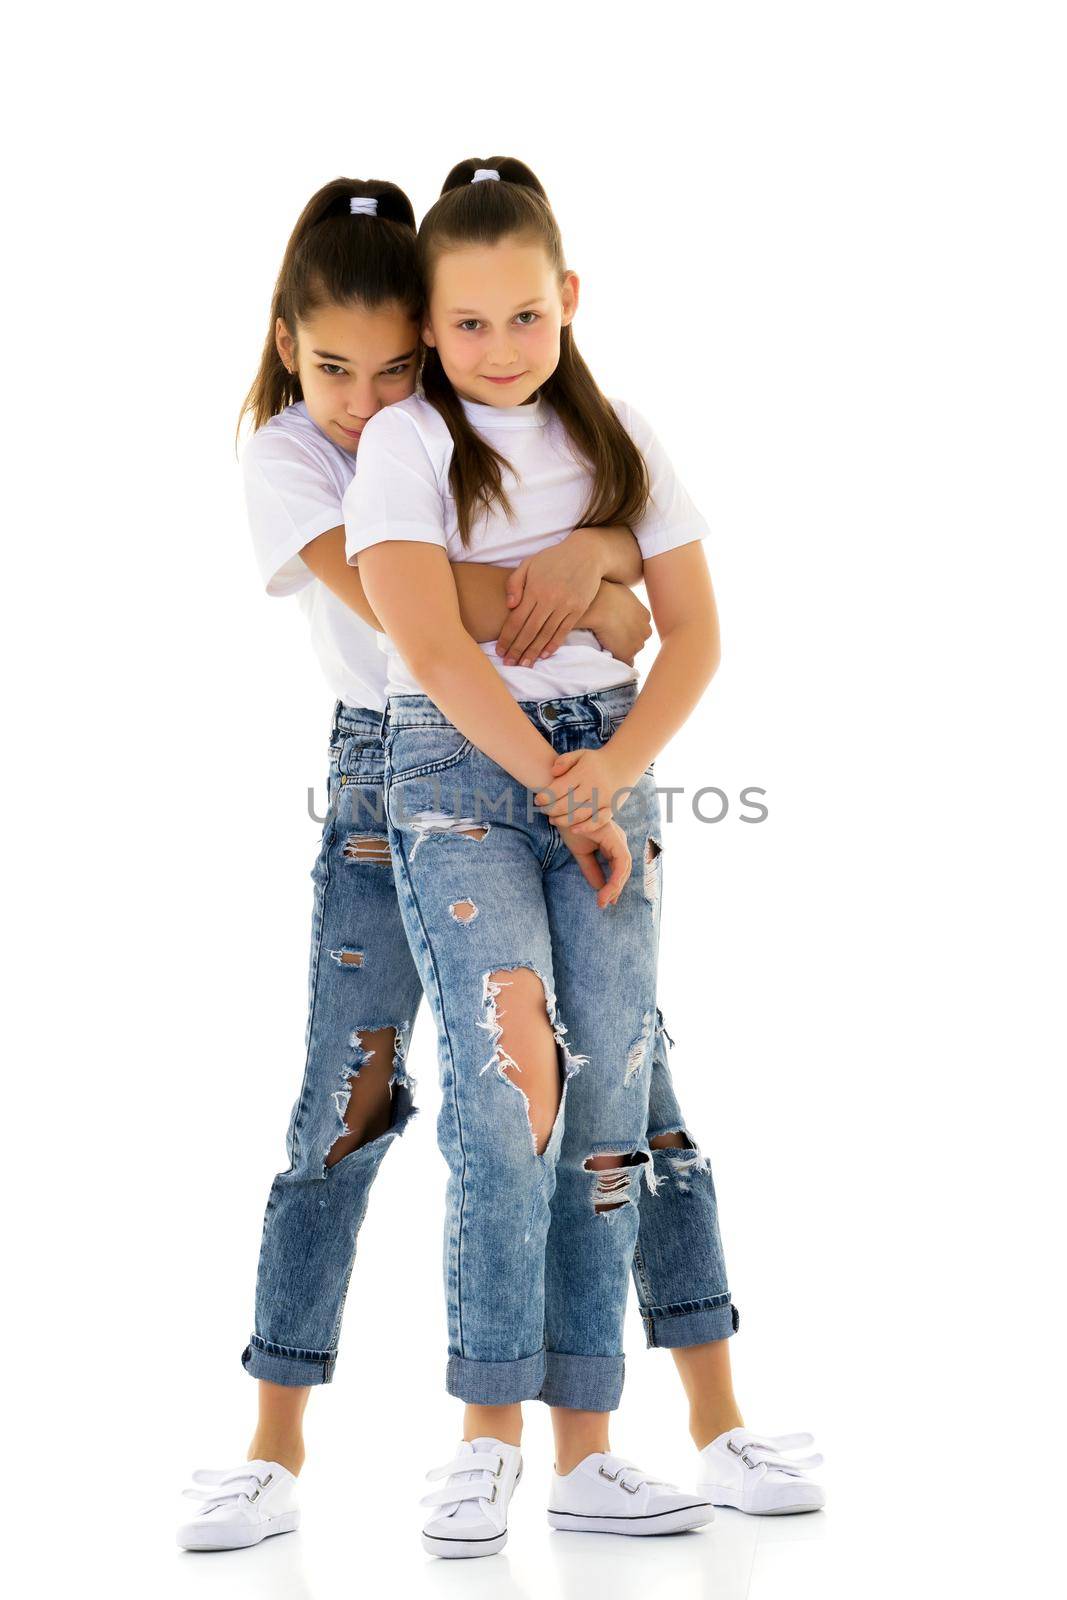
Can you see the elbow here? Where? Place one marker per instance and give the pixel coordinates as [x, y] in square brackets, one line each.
[433, 658]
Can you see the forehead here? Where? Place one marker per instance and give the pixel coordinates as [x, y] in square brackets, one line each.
[361, 336]
[508, 272]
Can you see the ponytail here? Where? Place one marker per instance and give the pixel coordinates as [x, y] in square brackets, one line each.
[340, 251]
[483, 213]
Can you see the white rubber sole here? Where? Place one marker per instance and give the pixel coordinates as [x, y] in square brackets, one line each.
[676, 1521]
[769, 1511]
[464, 1549]
[232, 1536]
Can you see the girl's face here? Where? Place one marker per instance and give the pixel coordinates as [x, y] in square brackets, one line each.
[351, 362]
[494, 317]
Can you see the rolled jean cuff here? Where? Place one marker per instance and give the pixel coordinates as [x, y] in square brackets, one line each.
[297, 1369]
[584, 1383]
[495, 1383]
[678, 1327]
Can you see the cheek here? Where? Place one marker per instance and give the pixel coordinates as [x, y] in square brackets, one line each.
[456, 353]
[545, 342]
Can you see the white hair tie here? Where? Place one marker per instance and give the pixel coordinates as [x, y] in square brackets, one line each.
[485, 172]
[361, 206]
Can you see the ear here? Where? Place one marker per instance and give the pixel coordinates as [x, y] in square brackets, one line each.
[569, 296]
[285, 344]
[427, 335]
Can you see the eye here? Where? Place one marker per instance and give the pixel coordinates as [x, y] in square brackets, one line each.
[469, 325]
[331, 369]
[534, 316]
[396, 372]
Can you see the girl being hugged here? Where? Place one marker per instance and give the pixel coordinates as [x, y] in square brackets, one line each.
[519, 796]
[343, 343]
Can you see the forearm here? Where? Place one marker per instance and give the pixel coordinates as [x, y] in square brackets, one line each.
[618, 552]
[412, 588]
[325, 557]
[463, 683]
[482, 592]
[684, 666]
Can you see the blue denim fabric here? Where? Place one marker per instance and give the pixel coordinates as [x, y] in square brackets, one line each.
[314, 1213]
[538, 1248]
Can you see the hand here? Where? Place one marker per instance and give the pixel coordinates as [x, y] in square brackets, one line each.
[548, 593]
[584, 782]
[623, 626]
[609, 842]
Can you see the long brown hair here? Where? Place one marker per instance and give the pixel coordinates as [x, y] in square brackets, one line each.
[484, 213]
[335, 257]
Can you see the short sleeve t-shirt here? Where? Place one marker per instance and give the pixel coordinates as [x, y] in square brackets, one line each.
[295, 479]
[402, 492]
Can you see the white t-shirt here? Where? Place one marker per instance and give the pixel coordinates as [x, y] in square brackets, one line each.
[402, 492]
[295, 479]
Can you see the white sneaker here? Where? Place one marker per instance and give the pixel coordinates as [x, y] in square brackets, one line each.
[606, 1494]
[750, 1472]
[472, 1514]
[242, 1505]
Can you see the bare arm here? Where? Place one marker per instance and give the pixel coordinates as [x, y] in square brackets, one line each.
[683, 606]
[413, 591]
[679, 589]
[549, 593]
[483, 590]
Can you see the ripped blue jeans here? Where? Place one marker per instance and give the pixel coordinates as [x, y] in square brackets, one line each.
[539, 1242]
[362, 979]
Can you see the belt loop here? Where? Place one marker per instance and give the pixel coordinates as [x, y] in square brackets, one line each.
[605, 720]
[381, 725]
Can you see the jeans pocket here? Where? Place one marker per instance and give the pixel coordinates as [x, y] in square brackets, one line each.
[423, 752]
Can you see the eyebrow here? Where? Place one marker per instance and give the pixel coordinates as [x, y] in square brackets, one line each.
[329, 355]
[466, 311]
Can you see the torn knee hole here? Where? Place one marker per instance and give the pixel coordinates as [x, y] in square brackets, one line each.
[652, 850]
[672, 1141]
[615, 1176]
[367, 847]
[347, 958]
[529, 1050]
[365, 1103]
[463, 911]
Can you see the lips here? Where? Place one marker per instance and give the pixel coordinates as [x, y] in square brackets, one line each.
[515, 376]
[353, 433]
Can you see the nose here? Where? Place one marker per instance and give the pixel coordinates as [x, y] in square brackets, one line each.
[502, 352]
[361, 401]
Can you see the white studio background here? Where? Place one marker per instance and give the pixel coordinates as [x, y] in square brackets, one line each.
[822, 248]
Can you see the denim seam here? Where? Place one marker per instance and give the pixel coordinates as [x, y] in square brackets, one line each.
[645, 1287]
[430, 768]
[400, 852]
[326, 850]
[267, 1347]
[686, 1308]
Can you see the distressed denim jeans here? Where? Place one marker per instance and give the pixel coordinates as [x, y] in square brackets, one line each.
[538, 1246]
[362, 978]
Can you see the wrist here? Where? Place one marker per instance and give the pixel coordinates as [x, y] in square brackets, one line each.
[593, 547]
[627, 766]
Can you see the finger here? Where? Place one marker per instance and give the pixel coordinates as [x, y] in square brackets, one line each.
[592, 871]
[596, 822]
[533, 622]
[564, 762]
[620, 864]
[569, 623]
[516, 583]
[566, 813]
[553, 632]
[512, 625]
